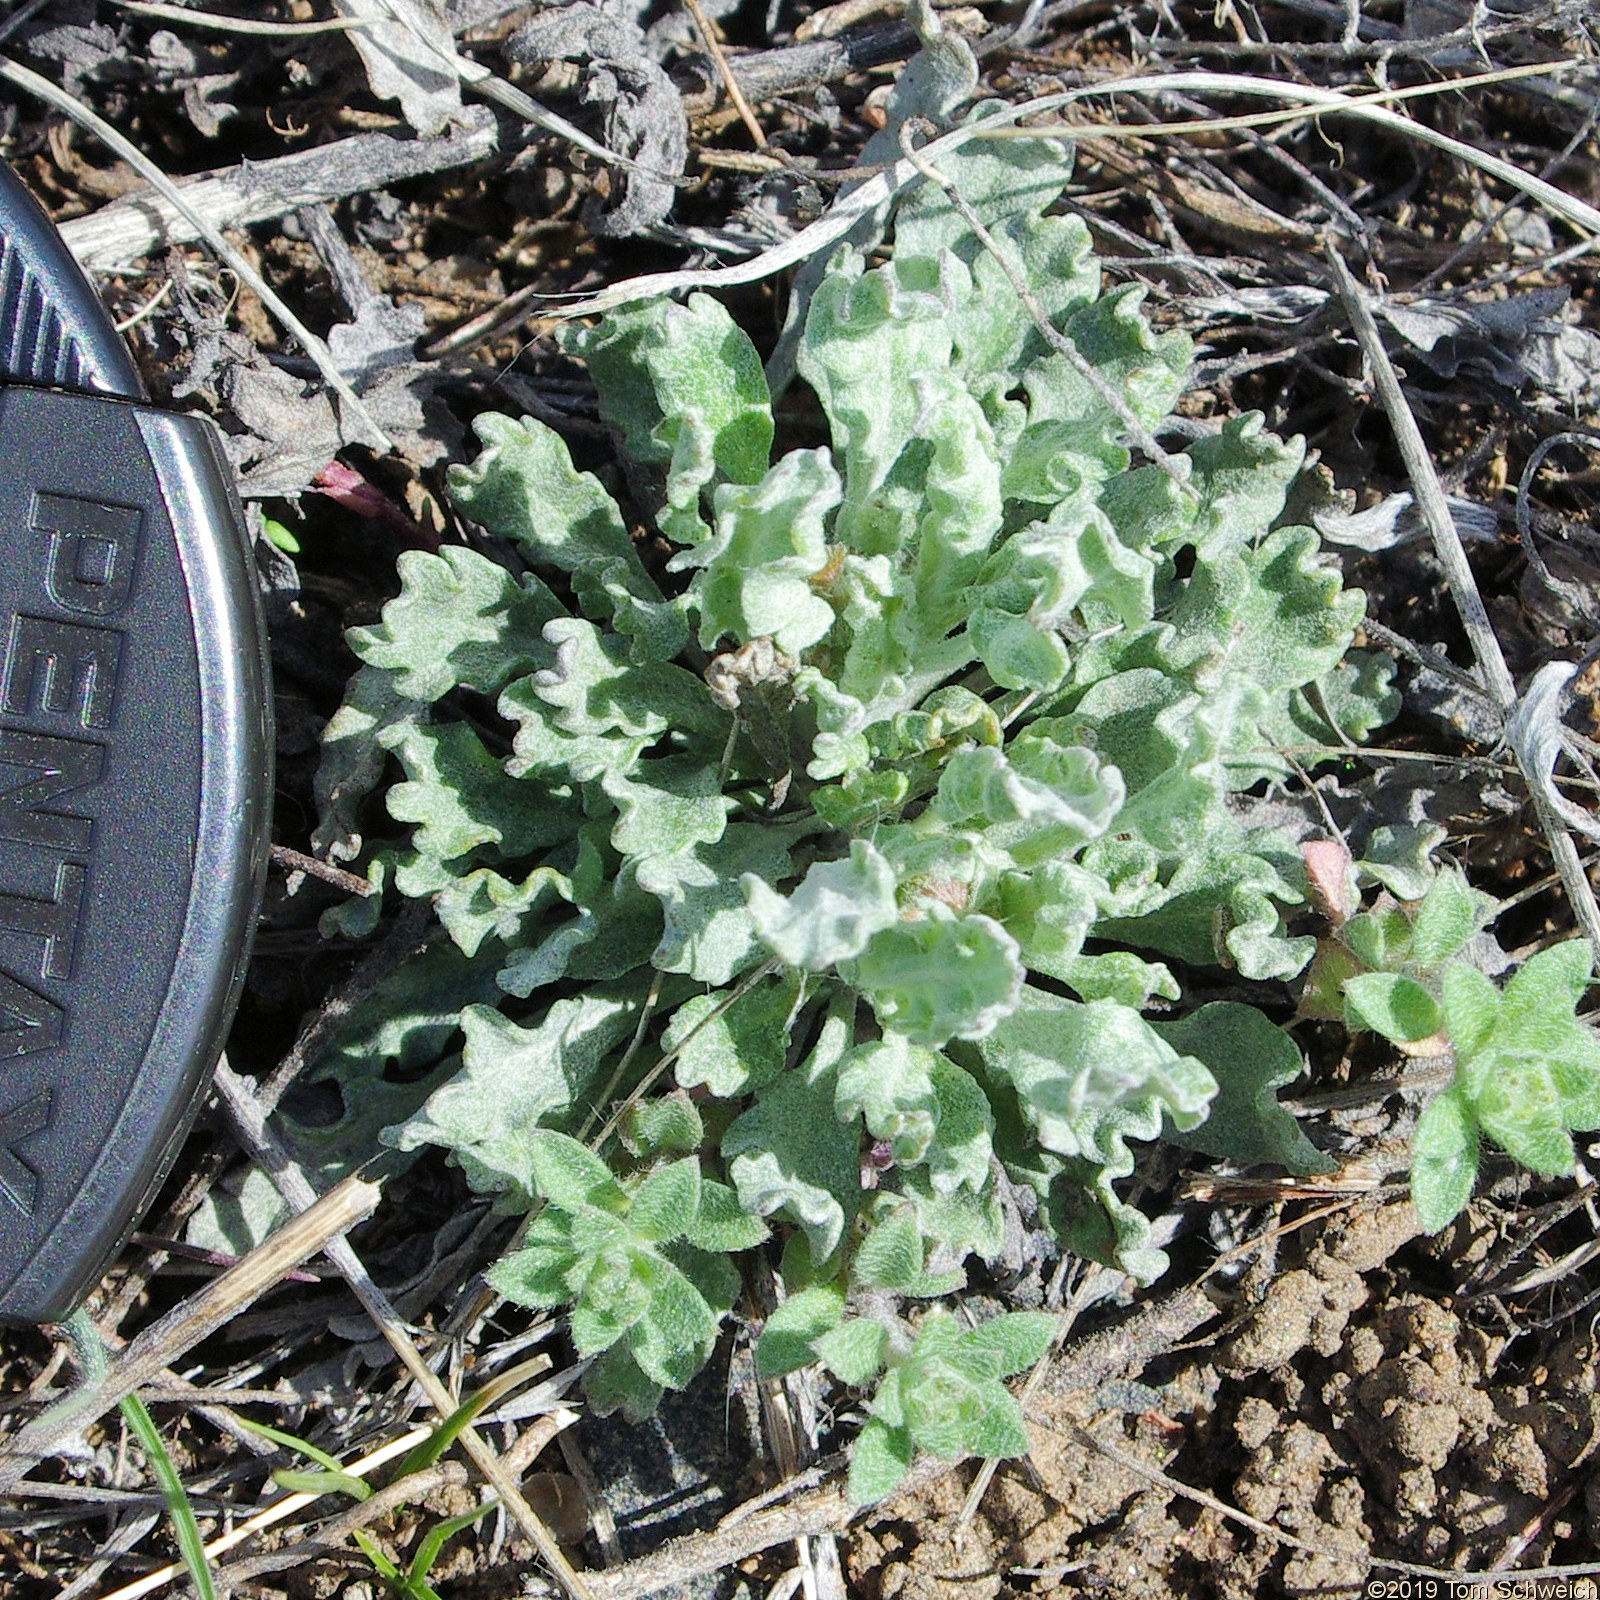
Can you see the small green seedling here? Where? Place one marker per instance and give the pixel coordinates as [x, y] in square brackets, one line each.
[412, 1584]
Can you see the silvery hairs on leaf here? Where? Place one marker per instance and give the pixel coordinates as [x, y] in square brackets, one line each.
[410, 56]
[644, 115]
[1534, 733]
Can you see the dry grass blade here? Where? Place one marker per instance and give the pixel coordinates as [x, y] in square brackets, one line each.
[250, 1127]
[871, 193]
[221, 24]
[278, 1511]
[153, 1350]
[1447, 545]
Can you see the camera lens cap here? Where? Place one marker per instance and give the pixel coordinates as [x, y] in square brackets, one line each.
[135, 772]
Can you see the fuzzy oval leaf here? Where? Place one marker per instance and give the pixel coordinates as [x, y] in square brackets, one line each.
[786, 1340]
[879, 1460]
[570, 1175]
[1444, 1159]
[1470, 1004]
[1445, 920]
[1019, 1339]
[664, 1206]
[1553, 980]
[722, 1225]
[854, 1351]
[891, 1255]
[1519, 1107]
[1398, 1008]
[672, 1340]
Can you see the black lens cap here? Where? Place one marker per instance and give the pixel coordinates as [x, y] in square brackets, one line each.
[135, 772]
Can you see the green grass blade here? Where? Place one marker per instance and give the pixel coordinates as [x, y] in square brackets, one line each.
[191, 1547]
[319, 1483]
[381, 1564]
[449, 1430]
[291, 1441]
[428, 1550]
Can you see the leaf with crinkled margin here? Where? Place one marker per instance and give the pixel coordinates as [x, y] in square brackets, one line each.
[1145, 368]
[386, 1057]
[1174, 749]
[482, 904]
[1030, 588]
[524, 487]
[962, 515]
[889, 1084]
[1119, 975]
[668, 806]
[1009, 185]
[731, 1049]
[833, 913]
[458, 797]
[940, 976]
[869, 596]
[1049, 911]
[691, 471]
[1002, 181]
[964, 1221]
[789, 1153]
[1219, 902]
[351, 764]
[1069, 1063]
[1358, 696]
[769, 540]
[1242, 474]
[1274, 613]
[621, 928]
[1148, 509]
[512, 1079]
[1399, 856]
[1251, 1058]
[655, 361]
[1089, 1218]
[593, 688]
[542, 748]
[709, 934]
[459, 618]
[1037, 800]
[869, 336]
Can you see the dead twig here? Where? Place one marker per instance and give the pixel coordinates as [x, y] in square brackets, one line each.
[714, 46]
[298, 861]
[148, 1355]
[868, 195]
[235, 197]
